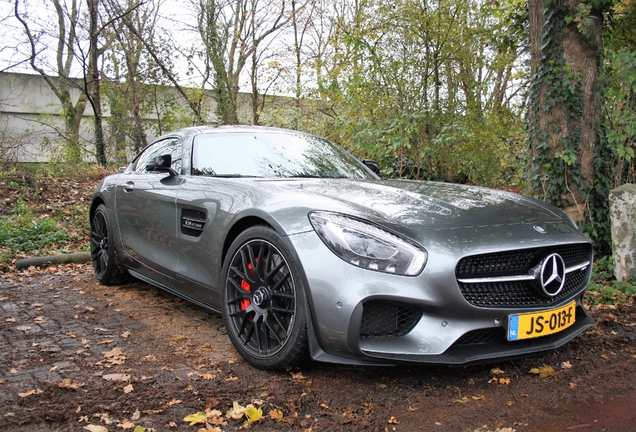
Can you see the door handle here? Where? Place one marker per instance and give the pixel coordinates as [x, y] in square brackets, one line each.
[129, 186]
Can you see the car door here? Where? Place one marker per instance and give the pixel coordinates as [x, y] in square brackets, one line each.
[146, 212]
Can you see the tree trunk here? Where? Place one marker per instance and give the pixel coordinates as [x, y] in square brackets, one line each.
[564, 102]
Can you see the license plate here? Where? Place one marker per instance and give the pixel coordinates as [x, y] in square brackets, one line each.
[543, 323]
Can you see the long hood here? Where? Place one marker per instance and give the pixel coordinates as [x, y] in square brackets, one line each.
[423, 205]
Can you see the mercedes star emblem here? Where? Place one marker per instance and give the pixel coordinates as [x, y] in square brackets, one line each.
[552, 275]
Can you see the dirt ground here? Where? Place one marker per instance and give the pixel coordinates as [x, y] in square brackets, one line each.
[76, 355]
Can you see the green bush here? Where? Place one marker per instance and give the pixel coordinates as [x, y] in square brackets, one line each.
[22, 232]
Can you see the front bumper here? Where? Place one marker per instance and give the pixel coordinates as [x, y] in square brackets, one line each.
[449, 330]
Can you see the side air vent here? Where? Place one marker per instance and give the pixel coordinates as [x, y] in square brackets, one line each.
[192, 222]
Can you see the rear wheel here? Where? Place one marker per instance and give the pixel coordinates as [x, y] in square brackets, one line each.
[264, 308]
[106, 265]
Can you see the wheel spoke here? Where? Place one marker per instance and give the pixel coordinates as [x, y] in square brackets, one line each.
[273, 331]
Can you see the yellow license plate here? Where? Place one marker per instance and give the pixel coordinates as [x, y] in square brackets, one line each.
[543, 323]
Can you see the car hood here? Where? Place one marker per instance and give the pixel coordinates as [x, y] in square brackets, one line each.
[423, 205]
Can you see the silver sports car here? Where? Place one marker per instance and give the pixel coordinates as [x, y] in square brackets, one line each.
[307, 252]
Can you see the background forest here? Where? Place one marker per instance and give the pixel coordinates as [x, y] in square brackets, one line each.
[450, 90]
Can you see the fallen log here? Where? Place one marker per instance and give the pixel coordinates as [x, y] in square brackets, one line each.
[77, 258]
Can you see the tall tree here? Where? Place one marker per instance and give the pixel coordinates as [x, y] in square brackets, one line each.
[67, 15]
[566, 48]
[231, 31]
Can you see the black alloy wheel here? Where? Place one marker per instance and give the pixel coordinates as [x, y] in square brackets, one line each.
[103, 254]
[263, 300]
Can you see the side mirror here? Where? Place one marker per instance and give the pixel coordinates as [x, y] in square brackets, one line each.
[372, 165]
[161, 164]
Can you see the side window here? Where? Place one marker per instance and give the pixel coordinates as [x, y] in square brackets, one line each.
[170, 146]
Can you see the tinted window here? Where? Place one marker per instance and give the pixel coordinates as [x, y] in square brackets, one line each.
[264, 154]
[171, 146]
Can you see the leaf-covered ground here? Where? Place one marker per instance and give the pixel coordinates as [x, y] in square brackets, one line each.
[76, 355]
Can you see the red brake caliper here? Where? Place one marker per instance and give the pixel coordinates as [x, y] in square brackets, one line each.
[245, 302]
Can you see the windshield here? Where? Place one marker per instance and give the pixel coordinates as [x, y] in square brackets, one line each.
[272, 154]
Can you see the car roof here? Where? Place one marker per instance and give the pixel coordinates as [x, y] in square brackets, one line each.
[241, 128]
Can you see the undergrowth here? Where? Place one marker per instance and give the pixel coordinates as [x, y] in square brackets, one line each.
[45, 209]
[604, 288]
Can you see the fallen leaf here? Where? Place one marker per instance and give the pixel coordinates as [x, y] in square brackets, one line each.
[40, 320]
[236, 412]
[151, 412]
[68, 383]
[479, 397]
[566, 365]
[253, 414]
[233, 378]
[604, 356]
[276, 415]
[174, 402]
[117, 377]
[140, 429]
[324, 405]
[126, 425]
[504, 381]
[462, 400]
[392, 420]
[179, 338]
[136, 415]
[125, 334]
[105, 342]
[196, 418]
[95, 428]
[573, 385]
[297, 375]
[215, 417]
[105, 418]
[30, 392]
[496, 371]
[207, 376]
[543, 372]
[510, 403]
[85, 341]
[128, 388]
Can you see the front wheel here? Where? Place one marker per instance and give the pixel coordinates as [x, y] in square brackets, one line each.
[106, 264]
[263, 300]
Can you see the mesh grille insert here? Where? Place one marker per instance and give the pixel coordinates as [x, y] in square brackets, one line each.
[192, 222]
[381, 319]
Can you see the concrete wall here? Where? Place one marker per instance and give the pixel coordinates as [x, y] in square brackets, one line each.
[30, 122]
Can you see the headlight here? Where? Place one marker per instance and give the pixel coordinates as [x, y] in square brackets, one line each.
[368, 246]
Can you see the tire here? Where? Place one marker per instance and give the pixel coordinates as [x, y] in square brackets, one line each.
[263, 300]
[106, 265]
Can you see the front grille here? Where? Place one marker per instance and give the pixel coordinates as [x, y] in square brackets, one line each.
[381, 319]
[519, 262]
